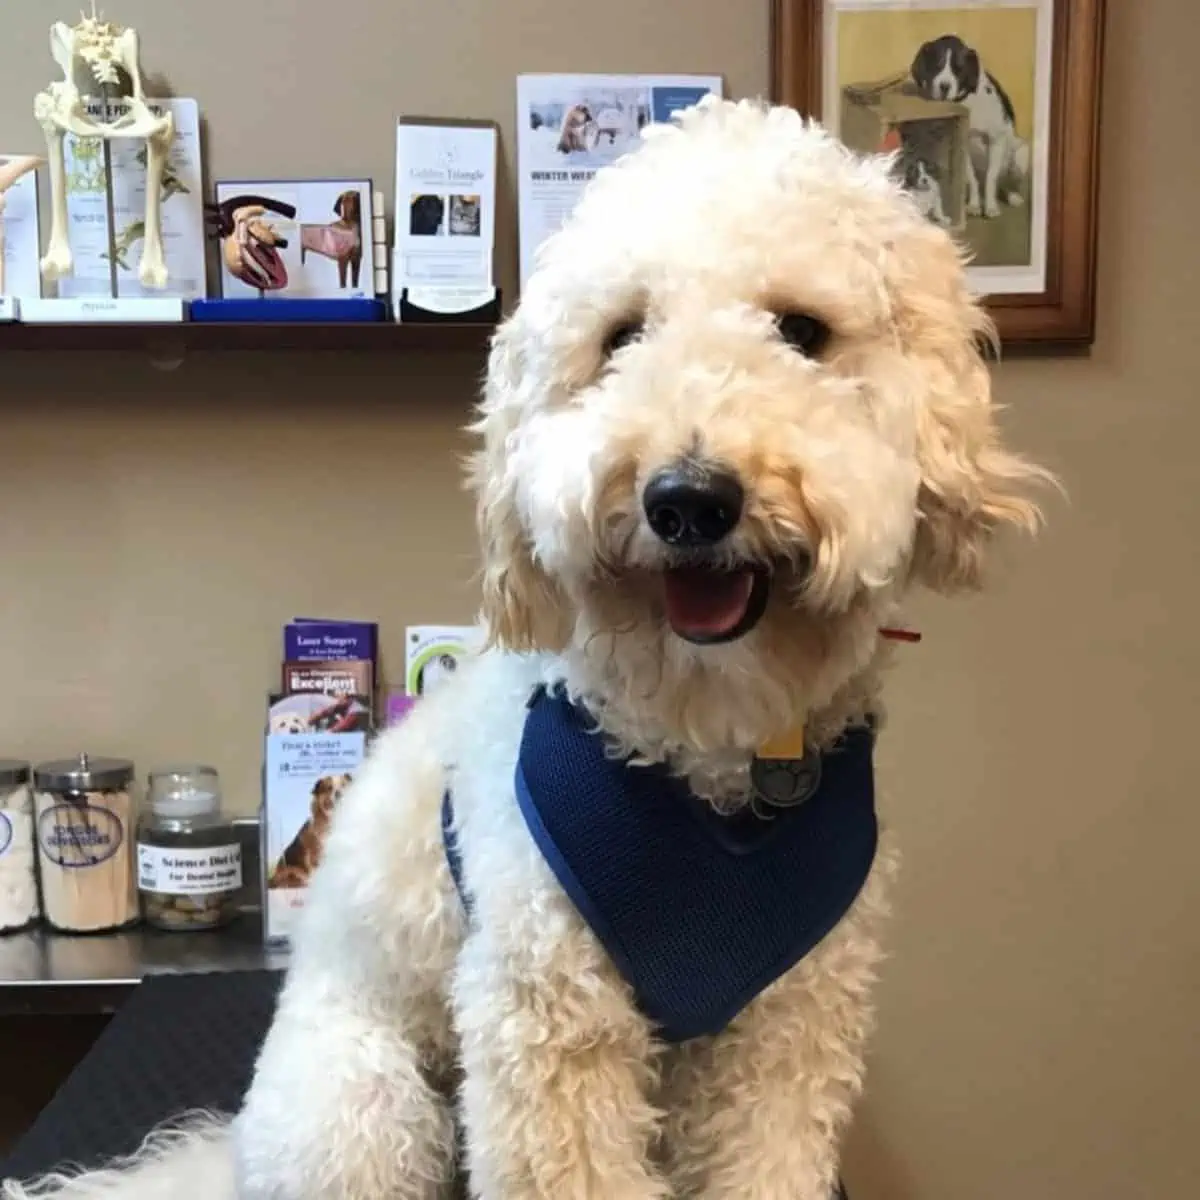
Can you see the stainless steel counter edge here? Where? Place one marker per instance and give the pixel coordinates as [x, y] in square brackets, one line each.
[42, 971]
[45, 972]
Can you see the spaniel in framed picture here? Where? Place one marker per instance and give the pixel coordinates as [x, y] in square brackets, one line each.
[992, 108]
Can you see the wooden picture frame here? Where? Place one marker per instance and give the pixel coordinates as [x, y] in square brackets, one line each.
[1054, 306]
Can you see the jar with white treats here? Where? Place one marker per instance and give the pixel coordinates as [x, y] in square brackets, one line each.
[86, 818]
[189, 856]
[18, 856]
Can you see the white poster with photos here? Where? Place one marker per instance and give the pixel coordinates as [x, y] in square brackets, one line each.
[445, 205]
[961, 89]
[568, 126]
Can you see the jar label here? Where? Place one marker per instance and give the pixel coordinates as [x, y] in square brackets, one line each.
[79, 835]
[185, 871]
[6, 834]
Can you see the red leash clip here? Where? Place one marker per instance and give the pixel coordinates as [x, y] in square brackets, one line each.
[900, 635]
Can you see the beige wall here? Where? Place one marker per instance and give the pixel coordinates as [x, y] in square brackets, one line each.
[1039, 1034]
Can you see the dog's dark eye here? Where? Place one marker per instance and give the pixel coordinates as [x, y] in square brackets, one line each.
[805, 334]
[621, 335]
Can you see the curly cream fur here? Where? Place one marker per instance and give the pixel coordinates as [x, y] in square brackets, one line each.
[873, 468]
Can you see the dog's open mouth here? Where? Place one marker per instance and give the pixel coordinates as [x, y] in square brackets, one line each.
[708, 606]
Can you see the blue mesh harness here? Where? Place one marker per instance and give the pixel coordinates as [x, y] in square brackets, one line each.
[700, 912]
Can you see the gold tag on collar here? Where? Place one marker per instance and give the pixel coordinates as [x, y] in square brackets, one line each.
[788, 745]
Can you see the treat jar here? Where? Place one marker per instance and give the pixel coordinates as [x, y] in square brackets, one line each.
[18, 855]
[189, 856]
[85, 828]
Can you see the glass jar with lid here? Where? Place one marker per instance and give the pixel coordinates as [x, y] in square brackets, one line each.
[189, 855]
[84, 826]
[19, 905]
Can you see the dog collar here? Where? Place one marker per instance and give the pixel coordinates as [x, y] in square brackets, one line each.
[699, 912]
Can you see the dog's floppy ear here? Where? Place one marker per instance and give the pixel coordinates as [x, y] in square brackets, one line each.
[923, 64]
[523, 608]
[339, 205]
[971, 485]
[971, 69]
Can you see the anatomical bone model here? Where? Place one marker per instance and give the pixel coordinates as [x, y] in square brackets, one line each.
[98, 50]
[11, 169]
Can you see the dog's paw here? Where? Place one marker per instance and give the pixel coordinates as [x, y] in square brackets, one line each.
[1015, 200]
[991, 210]
[974, 208]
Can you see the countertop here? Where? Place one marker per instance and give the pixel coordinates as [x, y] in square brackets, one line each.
[46, 972]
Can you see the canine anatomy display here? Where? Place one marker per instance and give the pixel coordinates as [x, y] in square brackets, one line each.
[250, 244]
[340, 240]
[101, 52]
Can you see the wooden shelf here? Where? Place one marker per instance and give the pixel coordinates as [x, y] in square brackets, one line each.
[204, 337]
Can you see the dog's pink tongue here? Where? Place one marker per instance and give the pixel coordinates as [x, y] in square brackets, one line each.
[704, 603]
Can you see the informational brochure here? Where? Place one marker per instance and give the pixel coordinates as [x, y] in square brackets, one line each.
[432, 653]
[445, 205]
[182, 209]
[21, 246]
[568, 126]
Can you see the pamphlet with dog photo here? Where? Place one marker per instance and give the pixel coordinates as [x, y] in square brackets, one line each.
[569, 126]
[335, 697]
[306, 776]
[307, 238]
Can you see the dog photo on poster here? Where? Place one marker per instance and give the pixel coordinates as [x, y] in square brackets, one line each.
[960, 89]
[305, 777]
[294, 238]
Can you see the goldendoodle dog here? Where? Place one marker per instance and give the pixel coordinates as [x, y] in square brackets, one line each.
[608, 902]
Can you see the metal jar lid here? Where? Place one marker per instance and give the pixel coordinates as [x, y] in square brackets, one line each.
[83, 774]
[13, 772]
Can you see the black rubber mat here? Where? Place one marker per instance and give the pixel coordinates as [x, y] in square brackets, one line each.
[179, 1042]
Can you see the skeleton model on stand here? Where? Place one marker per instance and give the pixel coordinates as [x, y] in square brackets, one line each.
[98, 50]
[11, 169]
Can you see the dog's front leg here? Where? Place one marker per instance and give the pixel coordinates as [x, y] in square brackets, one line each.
[757, 1112]
[974, 201]
[346, 1100]
[559, 1066]
[998, 155]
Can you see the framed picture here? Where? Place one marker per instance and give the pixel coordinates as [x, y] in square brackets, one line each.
[992, 107]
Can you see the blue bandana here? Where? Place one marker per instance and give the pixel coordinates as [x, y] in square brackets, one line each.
[700, 912]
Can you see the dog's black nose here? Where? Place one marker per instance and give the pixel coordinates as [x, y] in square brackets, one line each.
[690, 506]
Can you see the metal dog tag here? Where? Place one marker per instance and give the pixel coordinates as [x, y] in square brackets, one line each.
[786, 782]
